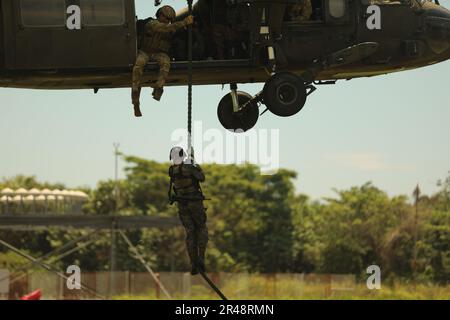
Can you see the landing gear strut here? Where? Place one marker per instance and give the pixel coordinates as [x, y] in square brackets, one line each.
[237, 112]
[284, 95]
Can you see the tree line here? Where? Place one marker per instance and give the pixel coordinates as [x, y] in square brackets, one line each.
[259, 223]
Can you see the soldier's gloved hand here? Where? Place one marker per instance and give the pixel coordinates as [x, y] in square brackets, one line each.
[189, 20]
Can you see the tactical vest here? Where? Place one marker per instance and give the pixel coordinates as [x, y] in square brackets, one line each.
[183, 182]
[156, 42]
[141, 33]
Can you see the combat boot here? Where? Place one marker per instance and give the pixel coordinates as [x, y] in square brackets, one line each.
[157, 93]
[136, 103]
[193, 257]
[194, 270]
[137, 110]
[201, 265]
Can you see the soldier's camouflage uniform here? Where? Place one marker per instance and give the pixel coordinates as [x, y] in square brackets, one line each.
[185, 179]
[156, 48]
[301, 11]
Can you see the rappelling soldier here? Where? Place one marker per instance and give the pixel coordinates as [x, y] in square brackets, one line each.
[157, 43]
[185, 181]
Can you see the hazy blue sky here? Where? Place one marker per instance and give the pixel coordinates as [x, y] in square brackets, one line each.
[392, 130]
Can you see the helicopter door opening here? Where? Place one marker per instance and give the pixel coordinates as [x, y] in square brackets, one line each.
[44, 37]
[221, 32]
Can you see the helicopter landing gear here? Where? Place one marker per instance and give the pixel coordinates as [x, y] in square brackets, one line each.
[285, 94]
[237, 112]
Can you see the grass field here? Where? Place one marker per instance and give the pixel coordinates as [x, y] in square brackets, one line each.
[236, 286]
[313, 292]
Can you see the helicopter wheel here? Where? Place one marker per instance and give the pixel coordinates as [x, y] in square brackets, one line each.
[285, 94]
[244, 119]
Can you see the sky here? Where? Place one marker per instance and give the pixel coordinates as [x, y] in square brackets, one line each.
[391, 130]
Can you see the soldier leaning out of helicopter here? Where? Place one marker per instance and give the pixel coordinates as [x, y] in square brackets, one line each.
[157, 43]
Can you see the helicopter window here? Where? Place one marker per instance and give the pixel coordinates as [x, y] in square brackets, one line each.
[103, 12]
[337, 8]
[43, 13]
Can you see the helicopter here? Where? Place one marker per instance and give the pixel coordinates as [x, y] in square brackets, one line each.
[341, 40]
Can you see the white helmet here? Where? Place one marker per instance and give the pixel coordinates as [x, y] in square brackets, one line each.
[177, 155]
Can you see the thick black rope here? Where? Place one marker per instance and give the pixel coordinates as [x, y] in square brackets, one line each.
[190, 153]
[190, 45]
[213, 286]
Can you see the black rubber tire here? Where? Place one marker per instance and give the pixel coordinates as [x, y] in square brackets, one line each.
[284, 94]
[241, 121]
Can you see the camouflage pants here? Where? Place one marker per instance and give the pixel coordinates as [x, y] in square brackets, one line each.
[143, 58]
[193, 217]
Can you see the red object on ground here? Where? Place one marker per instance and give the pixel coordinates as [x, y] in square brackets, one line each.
[35, 295]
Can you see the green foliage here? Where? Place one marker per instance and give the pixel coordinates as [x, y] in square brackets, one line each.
[10, 260]
[434, 247]
[259, 224]
[28, 182]
[355, 227]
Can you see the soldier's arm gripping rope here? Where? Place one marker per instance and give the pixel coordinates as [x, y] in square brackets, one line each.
[157, 43]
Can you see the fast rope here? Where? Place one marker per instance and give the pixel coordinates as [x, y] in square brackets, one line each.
[190, 150]
[213, 286]
[190, 46]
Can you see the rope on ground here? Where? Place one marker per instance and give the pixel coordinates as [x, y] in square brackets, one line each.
[145, 264]
[212, 285]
